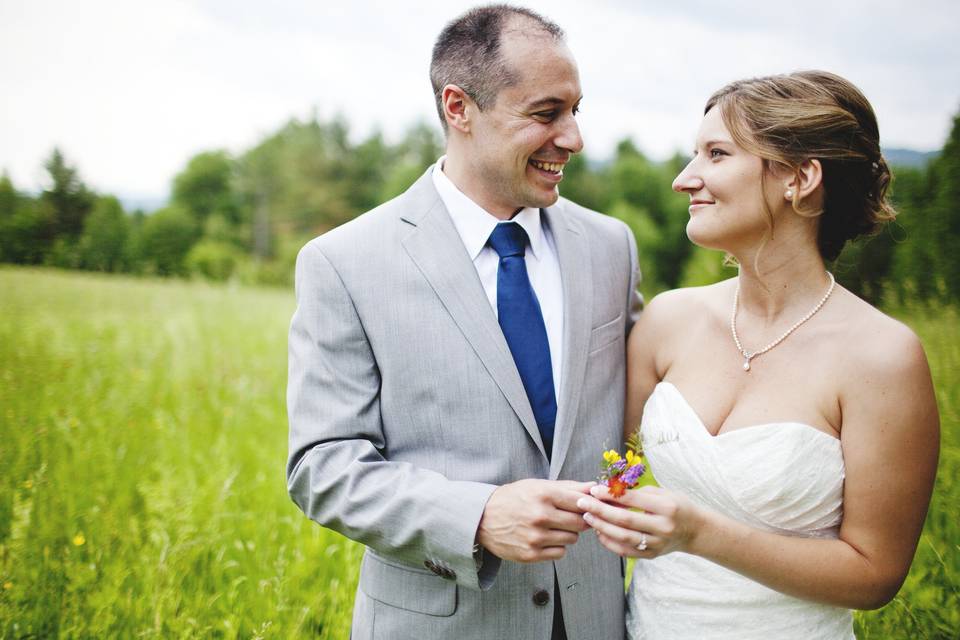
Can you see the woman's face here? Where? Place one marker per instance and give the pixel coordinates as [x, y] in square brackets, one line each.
[724, 183]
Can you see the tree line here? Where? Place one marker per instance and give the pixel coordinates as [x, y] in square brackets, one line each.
[244, 217]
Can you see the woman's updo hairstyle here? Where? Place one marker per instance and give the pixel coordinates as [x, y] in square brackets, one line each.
[787, 119]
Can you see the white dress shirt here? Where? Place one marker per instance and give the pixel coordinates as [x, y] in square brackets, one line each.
[475, 224]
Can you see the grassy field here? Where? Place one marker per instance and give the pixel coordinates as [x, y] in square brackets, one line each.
[142, 444]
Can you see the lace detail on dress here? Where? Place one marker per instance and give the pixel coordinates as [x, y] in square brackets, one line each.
[784, 477]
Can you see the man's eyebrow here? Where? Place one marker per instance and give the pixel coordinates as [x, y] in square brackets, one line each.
[548, 102]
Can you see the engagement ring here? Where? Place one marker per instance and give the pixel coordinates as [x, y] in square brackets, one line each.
[643, 542]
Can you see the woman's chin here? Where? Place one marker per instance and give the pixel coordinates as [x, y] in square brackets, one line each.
[702, 238]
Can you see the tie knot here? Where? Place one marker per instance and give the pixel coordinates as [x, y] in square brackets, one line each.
[508, 239]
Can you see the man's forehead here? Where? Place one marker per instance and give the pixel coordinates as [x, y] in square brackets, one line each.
[534, 95]
[543, 71]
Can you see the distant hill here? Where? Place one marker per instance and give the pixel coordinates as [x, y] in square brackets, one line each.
[909, 157]
[146, 203]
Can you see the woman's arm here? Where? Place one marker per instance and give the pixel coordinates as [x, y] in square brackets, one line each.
[647, 354]
[890, 441]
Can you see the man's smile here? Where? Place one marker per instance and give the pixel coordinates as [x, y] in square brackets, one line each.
[554, 169]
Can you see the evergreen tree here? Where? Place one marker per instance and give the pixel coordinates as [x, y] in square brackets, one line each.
[24, 226]
[944, 213]
[68, 199]
[9, 198]
[9, 203]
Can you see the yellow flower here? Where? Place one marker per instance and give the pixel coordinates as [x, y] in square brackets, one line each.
[632, 458]
[611, 456]
[79, 540]
[7, 586]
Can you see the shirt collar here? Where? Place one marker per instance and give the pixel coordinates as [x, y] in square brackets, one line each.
[475, 224]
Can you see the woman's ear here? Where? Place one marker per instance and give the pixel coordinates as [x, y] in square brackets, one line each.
[805, 181]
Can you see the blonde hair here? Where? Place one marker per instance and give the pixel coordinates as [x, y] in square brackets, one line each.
[788, 119]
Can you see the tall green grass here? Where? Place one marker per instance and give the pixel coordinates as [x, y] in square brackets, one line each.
[928, 605]
[142, 446]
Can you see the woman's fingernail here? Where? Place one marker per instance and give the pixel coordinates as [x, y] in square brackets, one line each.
[588, 517]
[582, 503]
[596, 489]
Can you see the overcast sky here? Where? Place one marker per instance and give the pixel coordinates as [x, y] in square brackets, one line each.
[130, 89]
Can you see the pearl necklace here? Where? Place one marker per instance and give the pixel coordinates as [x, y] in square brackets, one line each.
[733, 324]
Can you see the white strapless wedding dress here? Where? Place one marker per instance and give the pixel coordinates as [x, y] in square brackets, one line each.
[782, 477]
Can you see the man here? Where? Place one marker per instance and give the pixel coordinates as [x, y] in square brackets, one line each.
[454, 377]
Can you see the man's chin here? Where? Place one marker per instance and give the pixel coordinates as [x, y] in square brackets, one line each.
[544, 199]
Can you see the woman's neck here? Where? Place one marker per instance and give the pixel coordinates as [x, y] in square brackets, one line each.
[780, 280]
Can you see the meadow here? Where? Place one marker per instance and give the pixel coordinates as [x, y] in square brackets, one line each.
[142, 490]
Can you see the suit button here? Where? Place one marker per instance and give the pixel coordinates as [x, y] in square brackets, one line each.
[541, 598]
[429, 564]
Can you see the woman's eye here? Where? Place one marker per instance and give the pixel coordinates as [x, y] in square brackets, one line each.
[716, 153]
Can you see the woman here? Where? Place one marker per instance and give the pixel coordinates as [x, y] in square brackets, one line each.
[791, 426]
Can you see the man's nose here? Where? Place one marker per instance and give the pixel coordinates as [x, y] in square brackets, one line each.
[569, 137]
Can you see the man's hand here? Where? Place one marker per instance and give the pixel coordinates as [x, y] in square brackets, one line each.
[533, 520]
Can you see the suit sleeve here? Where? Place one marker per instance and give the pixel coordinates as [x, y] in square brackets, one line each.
[335, 471]
[634, 299]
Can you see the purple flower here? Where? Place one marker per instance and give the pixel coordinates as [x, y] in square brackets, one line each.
[632, 475]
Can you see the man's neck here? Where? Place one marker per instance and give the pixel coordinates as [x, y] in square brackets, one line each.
[464, 178]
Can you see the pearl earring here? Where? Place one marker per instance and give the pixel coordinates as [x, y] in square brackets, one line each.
[789, 194]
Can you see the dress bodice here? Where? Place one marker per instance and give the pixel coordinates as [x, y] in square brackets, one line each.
[783, 477]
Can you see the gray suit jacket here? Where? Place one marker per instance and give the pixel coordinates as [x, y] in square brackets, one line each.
[406, 412]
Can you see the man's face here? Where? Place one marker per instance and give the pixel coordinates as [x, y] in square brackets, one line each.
[518, 147]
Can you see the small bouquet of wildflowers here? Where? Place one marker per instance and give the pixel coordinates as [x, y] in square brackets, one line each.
[619, 474]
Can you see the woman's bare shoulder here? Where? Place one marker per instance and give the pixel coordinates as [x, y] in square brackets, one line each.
[884, 363]
[668, 322]
[688, 304]
[885, 346]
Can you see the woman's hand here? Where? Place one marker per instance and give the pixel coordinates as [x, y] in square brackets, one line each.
[643, 523]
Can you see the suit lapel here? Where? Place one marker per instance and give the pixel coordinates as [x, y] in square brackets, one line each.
[436, 248]
[573, 253]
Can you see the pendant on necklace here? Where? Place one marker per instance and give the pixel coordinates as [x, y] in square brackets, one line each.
[746, 365]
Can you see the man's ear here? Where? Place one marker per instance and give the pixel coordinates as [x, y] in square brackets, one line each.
[806, 180]
[457, 107]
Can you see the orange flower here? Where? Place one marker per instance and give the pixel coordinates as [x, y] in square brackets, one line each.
[616, 486]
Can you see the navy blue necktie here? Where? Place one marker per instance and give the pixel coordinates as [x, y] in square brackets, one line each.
[522, 323]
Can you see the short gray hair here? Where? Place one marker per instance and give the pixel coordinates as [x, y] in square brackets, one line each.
[467, 53]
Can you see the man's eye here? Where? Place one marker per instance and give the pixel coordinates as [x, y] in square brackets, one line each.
[545, 115]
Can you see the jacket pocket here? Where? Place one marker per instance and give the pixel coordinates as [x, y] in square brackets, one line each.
[406, 587]
[607, 333]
